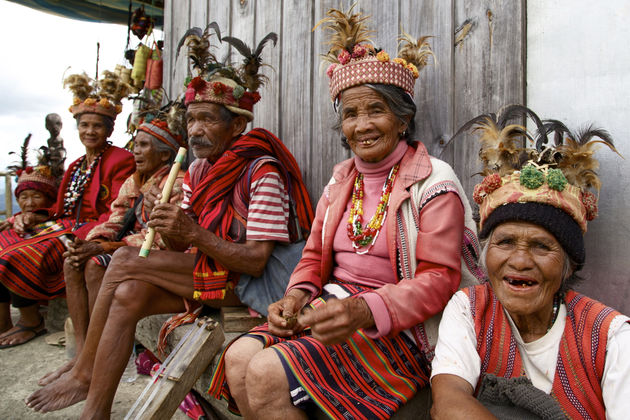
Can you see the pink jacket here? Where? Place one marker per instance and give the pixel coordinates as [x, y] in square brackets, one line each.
[438, 273]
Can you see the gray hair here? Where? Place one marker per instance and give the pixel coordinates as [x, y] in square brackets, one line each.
[399, 102]
[569, 273]
[160, 147]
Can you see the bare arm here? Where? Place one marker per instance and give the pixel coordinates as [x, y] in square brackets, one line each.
[453, 399]
[179, 231]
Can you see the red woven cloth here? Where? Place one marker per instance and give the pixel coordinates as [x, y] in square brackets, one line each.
[211, 201]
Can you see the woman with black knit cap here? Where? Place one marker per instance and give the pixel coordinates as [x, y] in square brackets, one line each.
[523, 344]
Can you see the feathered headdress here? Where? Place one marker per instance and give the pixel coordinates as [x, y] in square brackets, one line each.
[547, 183]
[97, 97]
[38, 178]
[236, 87]
[355, 61]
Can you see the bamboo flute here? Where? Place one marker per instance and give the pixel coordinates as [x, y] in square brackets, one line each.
[166, 195]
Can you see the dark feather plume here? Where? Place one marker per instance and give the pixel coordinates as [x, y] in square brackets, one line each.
[251, 60]
[23, 155]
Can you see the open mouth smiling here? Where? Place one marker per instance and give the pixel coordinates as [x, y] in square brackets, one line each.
[520, 282]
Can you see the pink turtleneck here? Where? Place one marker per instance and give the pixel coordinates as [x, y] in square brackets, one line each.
[350, 266]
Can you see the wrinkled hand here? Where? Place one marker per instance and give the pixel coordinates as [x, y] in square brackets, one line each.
[169, 220]
[79, 251]
[283, 315]
[338, 319]
[5, 224]
[24, 221]
[150, 197]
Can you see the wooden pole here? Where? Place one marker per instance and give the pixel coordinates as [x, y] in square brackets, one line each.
[166, 195]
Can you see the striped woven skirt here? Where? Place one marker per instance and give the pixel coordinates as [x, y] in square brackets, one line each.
[32, 267]
[362, 378]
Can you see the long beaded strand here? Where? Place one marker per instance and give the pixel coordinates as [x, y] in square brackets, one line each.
[79, 179]
[366, 236]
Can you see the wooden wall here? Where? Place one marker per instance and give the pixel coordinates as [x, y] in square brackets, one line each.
[484, 71]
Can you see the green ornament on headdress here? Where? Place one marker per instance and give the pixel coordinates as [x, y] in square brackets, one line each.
[531, 177]
[556, 179]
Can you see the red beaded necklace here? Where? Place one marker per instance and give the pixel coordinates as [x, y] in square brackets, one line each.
[366, 236]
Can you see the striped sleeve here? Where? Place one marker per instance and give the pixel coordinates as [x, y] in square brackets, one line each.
[268, 212]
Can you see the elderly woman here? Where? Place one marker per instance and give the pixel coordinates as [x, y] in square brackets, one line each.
[524, 345]
[154, 150]
[345, 339]
[31, 265]
[36, 191]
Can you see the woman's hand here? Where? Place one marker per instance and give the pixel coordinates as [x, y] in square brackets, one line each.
[283, 315]
[338, 319]
[79, 251]
[25, 221]
[5, 224]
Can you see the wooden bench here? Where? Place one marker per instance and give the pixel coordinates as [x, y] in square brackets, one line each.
[147, 332]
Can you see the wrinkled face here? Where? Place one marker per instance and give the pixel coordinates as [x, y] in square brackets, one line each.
[53, 125]
[147, 158]
[372, 129]
[93, 132]
[31, 200]
[525, 264]
[209, 135]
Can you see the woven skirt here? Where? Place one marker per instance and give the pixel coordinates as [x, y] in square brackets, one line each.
[362, 378]
[32, 267]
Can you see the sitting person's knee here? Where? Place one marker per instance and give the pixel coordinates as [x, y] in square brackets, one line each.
[264, 370]
[239, 354]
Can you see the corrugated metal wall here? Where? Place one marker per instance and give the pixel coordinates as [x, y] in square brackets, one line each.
[482, 72]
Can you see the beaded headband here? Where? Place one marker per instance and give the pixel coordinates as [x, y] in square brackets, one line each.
[235, 87]
[355, 61]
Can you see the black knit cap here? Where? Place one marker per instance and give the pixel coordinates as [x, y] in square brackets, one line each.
[565, 229]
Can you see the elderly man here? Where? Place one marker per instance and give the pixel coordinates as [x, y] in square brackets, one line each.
[236, 207]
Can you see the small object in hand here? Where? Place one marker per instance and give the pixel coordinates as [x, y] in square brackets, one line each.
[291, 320]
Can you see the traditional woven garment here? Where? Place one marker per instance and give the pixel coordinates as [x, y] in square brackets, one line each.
[30, 267]
[582, 352]
[361, 378]
[211, 201]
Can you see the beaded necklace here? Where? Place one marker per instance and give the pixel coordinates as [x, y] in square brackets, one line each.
[365, 236]
[554, 310]
[79, 180]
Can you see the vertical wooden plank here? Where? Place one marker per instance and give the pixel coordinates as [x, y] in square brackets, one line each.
[242, 27]
[220, 11]
[433, 90]
[180, 16]
[325, 142]
[198, 13]
[169, 45]
[489, 71]
[295, 91]
[383, 21]
[269, 19]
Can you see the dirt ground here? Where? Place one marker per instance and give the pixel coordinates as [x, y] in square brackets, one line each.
[23, 365]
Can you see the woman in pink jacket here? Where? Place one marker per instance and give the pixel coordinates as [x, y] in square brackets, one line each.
[384, 256]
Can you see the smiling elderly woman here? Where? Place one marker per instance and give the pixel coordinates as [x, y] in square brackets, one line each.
[524, 345]
[31, 264]
[349, 337]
